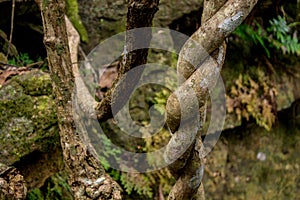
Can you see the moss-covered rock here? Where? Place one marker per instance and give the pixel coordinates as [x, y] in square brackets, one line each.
[27, 117]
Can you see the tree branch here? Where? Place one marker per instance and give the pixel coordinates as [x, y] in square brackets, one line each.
[140, 14]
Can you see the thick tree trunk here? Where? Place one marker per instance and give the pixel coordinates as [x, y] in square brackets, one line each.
[87, 177]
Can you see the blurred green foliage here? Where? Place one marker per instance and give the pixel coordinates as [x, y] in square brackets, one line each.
[277, 35]
[55, 188]
[253, 97]
[22, 59]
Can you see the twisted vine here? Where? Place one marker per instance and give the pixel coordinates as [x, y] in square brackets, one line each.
[219, 19]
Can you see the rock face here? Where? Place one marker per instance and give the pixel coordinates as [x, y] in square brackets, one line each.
[104, 18]
[27, 117]
[252, 163]
[28, 127]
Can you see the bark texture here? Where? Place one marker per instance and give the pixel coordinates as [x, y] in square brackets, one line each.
[212, 33]
[140, 14]
[87, 177]
[12, 183]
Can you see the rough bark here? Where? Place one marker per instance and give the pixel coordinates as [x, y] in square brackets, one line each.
[140, 14]
[87, 177]
[212, 33]
[12, 183]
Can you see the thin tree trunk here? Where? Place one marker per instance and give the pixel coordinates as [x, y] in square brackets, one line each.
[140, 14]
[87, 177]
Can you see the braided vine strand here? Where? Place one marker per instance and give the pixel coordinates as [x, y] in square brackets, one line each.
[204, 77]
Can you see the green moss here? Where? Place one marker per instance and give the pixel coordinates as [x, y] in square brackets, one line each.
[45, 108]
[27, 117]
[72, 13]
[15, 105]
[35, 83]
